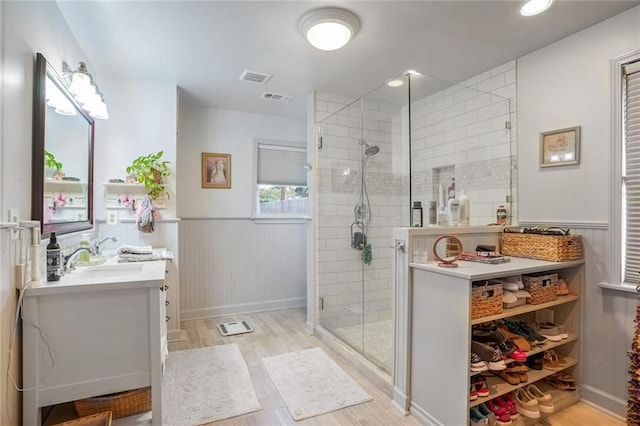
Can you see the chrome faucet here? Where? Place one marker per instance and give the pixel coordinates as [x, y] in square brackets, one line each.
[96, 245]
[68, 262]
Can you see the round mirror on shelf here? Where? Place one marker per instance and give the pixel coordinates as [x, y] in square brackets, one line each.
[447, 249]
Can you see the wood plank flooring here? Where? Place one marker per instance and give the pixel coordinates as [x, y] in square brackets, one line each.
[278, 332]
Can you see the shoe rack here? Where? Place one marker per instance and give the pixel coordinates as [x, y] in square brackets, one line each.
[441, 336]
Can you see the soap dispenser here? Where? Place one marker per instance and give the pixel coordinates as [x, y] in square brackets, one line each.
[85, 242]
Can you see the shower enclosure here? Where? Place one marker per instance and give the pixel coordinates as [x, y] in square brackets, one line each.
[400, 143]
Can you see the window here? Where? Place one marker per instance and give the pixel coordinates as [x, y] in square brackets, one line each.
[281, 179]
[630, 182]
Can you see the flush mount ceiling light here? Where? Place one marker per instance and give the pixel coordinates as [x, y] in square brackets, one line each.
[395, 83]
[329, 28]
[534, 7]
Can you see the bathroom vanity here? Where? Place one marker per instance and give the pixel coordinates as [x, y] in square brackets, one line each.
[99, 330]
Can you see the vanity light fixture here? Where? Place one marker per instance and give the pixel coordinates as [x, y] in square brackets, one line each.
[535, 7]
[86, 91]
[329, 28]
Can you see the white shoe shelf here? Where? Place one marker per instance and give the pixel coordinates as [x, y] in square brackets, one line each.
[441, 327]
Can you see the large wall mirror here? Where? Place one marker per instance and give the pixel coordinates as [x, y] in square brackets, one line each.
[62, 158]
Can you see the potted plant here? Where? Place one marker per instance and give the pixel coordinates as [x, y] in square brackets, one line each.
[53, 166]
[151, 172]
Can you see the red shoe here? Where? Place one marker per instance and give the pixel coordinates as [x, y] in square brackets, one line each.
[503, 415]
[473, 394]
[481, 386]
[510, 403]
[518, 355]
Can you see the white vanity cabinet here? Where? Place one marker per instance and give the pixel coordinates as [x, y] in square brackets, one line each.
[441, 334]
[97, 331]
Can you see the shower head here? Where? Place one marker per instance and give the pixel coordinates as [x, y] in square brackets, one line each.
[372, 150]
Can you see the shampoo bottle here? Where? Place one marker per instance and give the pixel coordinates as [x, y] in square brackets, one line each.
[453, 212]
[416, 214]
[85, 241]
[465, 213]
[35, 254]
[53, 259]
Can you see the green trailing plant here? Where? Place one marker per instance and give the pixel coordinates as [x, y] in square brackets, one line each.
[151, 171]
[51, 162]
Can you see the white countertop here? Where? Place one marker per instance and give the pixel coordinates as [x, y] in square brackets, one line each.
[475, 271]
[110, 275]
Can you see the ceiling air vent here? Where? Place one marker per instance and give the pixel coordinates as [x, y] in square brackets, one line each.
[276, 97]
[255, 76]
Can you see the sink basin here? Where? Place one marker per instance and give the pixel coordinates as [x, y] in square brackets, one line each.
[93, 261]
[111, 271]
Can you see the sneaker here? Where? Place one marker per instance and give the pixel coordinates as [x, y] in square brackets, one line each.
[491, 355]
[521, 328]
[518, 355]
[473, 393]
[476, 418]
[481, 386]
[508, 402]
[497, 363]
[490, 415]
[477, 364]
[550, 331]
[545, 401]
[503, 418]
[494, 335]
[527, 404]
[535, 361]
[563, 331]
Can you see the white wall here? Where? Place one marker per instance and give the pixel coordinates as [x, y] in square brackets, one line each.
[229, 263]
[229, 132]
[26, 28]
[562, 85]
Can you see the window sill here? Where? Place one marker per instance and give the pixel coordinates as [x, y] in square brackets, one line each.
[626, 288]
[281, 219]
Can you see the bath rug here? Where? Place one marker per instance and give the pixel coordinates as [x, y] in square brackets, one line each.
[311, 383]
[206, 384]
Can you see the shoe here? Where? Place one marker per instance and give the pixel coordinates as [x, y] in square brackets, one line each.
[520, 342]
[516, 367]
[550, 331]
[563, 331]
[511, 378]
[545, 401]
[490, 416]
[473, 393]
[481, 386]
[477, 364]
[491, 355]
[476, 418]
[510, 403]
[518, 355]
[521, 328]
[563, 287]
[494, 335]
[535, 361]
[527, 405]
[502, 413]
[559, 384]
[550, 361]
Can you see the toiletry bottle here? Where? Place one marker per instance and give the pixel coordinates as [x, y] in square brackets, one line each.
[416, 214]
[35, 254]
[465, 213]
[451, 193]
[501, 215]
[85, 241]
[53, 259]
[442, 219]
[433, 213]
[453, 211]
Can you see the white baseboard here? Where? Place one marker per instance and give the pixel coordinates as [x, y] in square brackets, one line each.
[604, 401]
[176, 335]
[245, 308]
[400, 400]
[422, 416]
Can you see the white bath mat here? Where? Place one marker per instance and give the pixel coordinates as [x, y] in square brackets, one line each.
[311, 383]
[234, 327]
[207, 384]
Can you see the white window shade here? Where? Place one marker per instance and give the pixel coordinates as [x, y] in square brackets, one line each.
[281, 165]
[632, 172]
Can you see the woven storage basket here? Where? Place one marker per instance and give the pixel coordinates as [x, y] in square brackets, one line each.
[486, 299]
[102, 419]
[121, 404]
[555, 248]
[542, 287]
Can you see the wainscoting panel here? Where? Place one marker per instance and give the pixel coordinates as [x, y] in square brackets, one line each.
[230, 266]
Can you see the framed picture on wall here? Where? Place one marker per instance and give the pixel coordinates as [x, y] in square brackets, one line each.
[560, 147]
[216, 170]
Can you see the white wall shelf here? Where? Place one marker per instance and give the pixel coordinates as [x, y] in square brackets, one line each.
[64, 186]
[124, 188]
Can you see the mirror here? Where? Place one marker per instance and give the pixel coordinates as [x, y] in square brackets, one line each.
[62, 157]
[447, 249]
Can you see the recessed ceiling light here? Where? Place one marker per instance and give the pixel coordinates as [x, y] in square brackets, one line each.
[411, 72]
[534, 7]
[329, 28]
[395, 83]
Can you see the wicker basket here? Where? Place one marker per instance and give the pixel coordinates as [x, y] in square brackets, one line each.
[102, 419]
[542, 287]
[121, 404]
[486, 299]
[555, 248]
